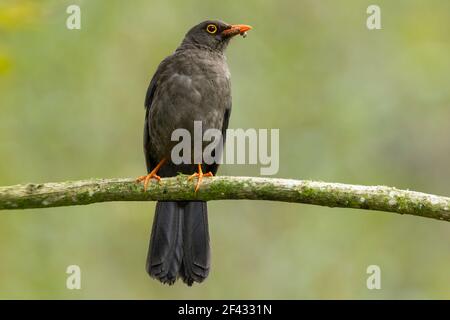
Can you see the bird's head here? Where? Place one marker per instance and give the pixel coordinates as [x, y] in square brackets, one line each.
[214, 34]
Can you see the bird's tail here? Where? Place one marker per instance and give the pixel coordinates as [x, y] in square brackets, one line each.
[179, 243]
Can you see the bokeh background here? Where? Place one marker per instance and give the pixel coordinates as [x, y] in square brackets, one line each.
[352, 105]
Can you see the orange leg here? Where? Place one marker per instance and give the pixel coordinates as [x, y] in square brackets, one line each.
[199, 176]
[152, 174]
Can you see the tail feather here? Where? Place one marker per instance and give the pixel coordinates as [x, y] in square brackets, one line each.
[179, 244]
[196, 252]
[166, 243]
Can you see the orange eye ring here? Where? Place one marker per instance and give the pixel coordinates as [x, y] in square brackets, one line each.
[211, 28]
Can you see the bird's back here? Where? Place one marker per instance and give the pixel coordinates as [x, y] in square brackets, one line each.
[192, 85]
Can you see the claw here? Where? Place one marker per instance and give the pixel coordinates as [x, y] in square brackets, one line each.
[151, 175]
[147, 178]
[199, 176]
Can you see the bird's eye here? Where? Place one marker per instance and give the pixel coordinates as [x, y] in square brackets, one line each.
[211, 28]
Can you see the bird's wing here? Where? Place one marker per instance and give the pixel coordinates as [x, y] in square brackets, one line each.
[226, 119]
[151, 163]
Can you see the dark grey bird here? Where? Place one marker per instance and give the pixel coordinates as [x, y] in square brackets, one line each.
[192, 84]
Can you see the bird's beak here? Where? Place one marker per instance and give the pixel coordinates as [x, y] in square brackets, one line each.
[236, 29]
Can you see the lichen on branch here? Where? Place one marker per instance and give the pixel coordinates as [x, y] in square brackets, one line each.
[380, 198]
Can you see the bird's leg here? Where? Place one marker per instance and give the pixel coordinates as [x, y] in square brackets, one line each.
[152, 174]
[199, 176]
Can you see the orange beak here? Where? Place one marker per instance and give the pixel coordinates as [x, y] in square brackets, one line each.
[236, 29]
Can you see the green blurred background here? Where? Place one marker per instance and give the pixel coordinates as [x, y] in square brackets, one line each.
[352, 105]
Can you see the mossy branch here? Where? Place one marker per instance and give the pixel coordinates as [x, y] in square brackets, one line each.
[83, 192]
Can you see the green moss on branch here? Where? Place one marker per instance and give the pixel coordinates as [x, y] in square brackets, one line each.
[83, 192]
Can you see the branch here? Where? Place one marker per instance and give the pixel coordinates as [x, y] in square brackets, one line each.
[379, 198]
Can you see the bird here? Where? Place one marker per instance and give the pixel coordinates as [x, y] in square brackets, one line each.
[192, 84]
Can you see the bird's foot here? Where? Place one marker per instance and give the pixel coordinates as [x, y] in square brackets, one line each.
[147, 178]
[151, 175]
[199, 176]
